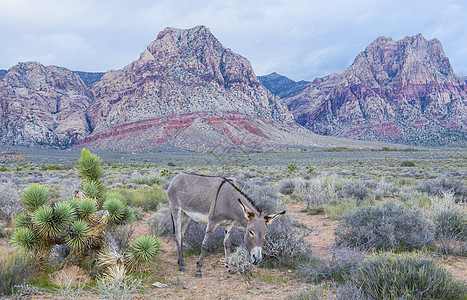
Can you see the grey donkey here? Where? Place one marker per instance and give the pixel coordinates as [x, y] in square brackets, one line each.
[215, 201]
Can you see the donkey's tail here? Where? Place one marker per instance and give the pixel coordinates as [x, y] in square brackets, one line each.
[173, 223]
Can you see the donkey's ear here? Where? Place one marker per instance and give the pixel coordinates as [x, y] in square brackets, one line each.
[268, 219]
[248, 213]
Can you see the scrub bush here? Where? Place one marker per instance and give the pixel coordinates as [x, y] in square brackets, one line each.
[388, 226]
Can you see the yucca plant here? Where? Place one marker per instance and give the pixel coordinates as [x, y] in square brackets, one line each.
[144, 249]
[43, 219]
[77, 238]
[22, 220]
[92, 189]
[115, 208]
[64, 212]
[34, 196]
[86, 207]
[24, 239]
[89, 166]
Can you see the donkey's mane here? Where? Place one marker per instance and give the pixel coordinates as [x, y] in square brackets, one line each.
[252, 202]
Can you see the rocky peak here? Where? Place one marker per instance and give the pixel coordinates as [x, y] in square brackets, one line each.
[412, 60]
[182, 71]
[395, 91]
[42, 106]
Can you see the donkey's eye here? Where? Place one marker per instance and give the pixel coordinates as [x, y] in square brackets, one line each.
[252, 234]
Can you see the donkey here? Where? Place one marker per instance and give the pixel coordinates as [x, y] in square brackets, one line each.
[215, 201]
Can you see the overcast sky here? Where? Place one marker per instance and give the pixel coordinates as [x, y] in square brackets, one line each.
[301, 39]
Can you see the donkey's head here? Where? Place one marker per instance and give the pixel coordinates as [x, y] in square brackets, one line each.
[256, 231]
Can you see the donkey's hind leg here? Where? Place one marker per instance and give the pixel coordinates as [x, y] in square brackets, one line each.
[177, 217]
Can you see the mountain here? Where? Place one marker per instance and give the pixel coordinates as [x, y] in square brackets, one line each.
[89, 77]
[42, 106]
[280, 85]
[395, 91]
[2, 73]
[186, 91]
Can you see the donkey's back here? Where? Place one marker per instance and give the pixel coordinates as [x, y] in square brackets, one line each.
[193, 194]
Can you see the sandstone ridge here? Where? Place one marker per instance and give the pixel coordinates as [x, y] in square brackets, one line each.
[395, 91]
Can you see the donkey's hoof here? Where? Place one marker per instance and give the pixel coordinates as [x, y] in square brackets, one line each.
[198, 274]
[182, 269]
[232, 272]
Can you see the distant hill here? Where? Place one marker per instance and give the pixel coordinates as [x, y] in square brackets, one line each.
[89, 77]
[2, 73]
[395, 91]
[280, 85]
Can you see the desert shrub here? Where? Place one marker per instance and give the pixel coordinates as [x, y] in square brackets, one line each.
[442, 185]
[314, 193]
[119, 237]
[160, 223]
[14, 271]
[147, 180]
[285, 244]
[389, 276]
[10, 202]
[414, 199]
[119, 288]
[265, 198]
[384, 189]
[287, 187]
[311, 294]
[292, 167]
[239, 261]
[407, 163]
[355, 190]
[339, 207]
[336, 268]
[451, 231]
[148, 198]
[388, 226]
[350, 292]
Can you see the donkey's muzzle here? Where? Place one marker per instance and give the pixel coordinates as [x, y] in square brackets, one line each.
[256, 255]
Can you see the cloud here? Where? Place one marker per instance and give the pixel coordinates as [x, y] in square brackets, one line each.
[301, 39]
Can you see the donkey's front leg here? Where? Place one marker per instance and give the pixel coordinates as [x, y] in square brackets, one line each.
[227, 244]
[204, 248]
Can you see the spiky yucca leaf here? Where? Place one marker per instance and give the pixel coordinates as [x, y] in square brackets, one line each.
[111, 257]
[79, 230]
[86, 207]
[22, 220]
[116, 273]
[92, 188]
[128, 214]
[144, 249]
[34, 196]
[64, 212]
[43, 218]
[89, 165]
[115, 195]
[24, 239]
[73, 202]
[115, 208]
